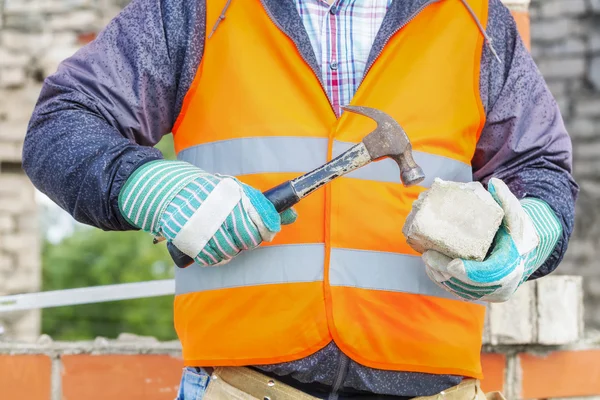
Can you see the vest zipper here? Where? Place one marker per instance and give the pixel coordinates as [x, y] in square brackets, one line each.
[340, 376]
[299, 52]
[387, 39]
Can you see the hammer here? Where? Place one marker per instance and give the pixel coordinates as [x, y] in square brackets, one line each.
[388, 140]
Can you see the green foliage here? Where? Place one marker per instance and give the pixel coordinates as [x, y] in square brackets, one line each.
[91, 257]
[166, 147]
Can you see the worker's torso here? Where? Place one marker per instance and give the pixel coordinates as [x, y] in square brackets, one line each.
[343, 271]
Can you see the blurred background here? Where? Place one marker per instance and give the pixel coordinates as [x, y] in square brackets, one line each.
[42, 248]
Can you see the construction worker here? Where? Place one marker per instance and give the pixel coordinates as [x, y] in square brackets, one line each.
[334, 305]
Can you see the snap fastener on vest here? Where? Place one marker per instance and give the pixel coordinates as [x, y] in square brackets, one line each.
[333, 10]
[271, 383]
[333, 65]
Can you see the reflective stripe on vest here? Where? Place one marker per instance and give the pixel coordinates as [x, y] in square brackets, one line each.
[247, 156]
[304, 263]
[343, 271]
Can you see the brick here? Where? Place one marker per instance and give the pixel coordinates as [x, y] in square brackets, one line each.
[18, 242]
[12, 131]
[558, 88]
[148, 377]
[587, 169]
[442, 219]
[7, 223]
[551, 30]
[557, 8]
[594, 72]
[560, 309]
[28, 223]
[25, 328]
[513, 322]
[594, 40]
[560, 374]
[12, 77]
[74, 21]
[567, 47]
[588, 107]
[25, 377]
[7, 264]
[559, 68]
[494, 367]
[583, 128]
[586, 151]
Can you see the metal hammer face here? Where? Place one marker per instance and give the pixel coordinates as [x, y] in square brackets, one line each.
[390, 140]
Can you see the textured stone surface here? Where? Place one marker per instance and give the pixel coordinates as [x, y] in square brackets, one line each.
[555, 25]
[514, 322]
[560, 310]
[456, 219]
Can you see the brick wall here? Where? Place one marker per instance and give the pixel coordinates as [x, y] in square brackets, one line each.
[534, 347]
[566, 45]
[35, 35]
[531, 351]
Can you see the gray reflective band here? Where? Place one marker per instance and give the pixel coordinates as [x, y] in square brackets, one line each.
[262, 266]
[303, 154]
[382, 271]
[257, 155]
[433, 166]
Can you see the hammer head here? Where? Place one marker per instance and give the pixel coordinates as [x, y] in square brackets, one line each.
[390, 140]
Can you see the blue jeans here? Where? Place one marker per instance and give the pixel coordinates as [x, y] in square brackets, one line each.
[193, 384]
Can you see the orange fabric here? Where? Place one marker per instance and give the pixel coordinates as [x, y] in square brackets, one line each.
[248, 325]
[524, 26]
[253, 83]
[449, 330]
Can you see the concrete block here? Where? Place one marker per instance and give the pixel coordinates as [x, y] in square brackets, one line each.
[82, 20]
[12, 77]
[583, 128]
[17, 242]
[10, 152]
[568, 47]
[588, 107]
[514, 321]
[594, 72]
[557, 8]
[7, 223]
[594, 41]
[459, 220]
[551, 30]
[559, 309]
[559, 68]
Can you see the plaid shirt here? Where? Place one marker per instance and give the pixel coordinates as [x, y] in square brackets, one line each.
[342, 35]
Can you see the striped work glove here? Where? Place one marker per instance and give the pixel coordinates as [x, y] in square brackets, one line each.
[211, 218]
[526, 238]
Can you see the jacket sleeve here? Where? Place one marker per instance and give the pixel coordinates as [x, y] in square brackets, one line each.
[524, 141]
[99, 115]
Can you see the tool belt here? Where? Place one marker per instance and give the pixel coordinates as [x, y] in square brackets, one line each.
[240, 383]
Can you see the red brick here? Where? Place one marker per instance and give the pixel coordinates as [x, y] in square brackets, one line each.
[25, 377]
[561, 374]
[120, 377]
[494, 366]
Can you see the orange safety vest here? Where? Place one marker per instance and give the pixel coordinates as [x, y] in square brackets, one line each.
[343, 271]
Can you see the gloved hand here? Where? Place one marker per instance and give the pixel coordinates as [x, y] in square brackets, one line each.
[527, 236]
[211, 218]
